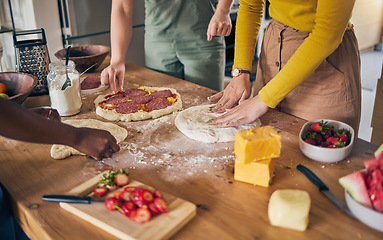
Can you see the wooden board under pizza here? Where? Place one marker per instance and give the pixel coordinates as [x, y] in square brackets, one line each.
[135, 104]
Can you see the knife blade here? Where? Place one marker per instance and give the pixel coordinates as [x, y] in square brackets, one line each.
[70, 199]
[323, 188]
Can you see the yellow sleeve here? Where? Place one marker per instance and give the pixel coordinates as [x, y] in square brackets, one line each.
[249, 19]
[330, 23]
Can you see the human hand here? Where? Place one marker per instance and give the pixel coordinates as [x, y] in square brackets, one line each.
[95, 143]
[246, 112]
[220, 25]
[49, 113]
[237, 90]
[112, 74]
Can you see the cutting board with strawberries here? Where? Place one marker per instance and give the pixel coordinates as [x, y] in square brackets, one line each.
[161, 226]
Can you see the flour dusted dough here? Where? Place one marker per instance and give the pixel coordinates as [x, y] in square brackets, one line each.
[62, 151]
[138, 116]
[194, 123]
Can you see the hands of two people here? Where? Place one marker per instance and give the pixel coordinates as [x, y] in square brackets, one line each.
[220, 25]
[113, 75]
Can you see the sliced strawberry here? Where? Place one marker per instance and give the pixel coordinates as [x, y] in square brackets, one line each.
[147, 196]
[129, 189]
[157, 193]
[100, 191]
[131, 214]
[118, 195]
[128, 206]
[143, 214]
[153, 209]
[112, 203]
[126, 196]
[121, 179]
[161, 205]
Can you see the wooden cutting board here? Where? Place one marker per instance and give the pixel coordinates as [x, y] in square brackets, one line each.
[159, 227]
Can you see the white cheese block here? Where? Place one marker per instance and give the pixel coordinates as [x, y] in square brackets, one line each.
[289, 208]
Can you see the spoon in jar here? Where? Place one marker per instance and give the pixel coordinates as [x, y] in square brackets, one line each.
[67, 82]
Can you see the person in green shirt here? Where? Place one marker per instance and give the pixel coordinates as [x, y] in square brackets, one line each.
[178, 40]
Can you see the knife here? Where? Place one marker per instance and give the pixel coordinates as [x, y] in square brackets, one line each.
[70, 199]
[323, 188]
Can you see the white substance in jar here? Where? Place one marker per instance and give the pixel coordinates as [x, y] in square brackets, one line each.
[67, 102]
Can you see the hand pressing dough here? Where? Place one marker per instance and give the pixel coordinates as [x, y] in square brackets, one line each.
[194, 122]
[62, 151]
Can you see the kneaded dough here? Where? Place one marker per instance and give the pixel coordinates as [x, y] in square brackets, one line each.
[194, 123]
[113, 115]
[63, 151]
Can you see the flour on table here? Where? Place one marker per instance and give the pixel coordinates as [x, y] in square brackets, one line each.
[62, 151]
[194, 123]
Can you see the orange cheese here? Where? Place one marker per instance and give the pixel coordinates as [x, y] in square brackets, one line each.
[258, 173]
[257, 144]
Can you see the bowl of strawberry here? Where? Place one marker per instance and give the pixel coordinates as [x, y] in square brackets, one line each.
[326, 140]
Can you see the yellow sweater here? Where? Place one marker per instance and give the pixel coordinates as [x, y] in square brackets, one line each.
[325, 20]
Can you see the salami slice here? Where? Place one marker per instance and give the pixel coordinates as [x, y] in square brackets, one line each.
[128, 107]
[141, 99]
[131, 92]
[162, 93]
[116, 100]
[157, 103]
[90, 82]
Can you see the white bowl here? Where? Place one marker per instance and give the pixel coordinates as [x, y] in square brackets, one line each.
[321, 154]
[366, 215]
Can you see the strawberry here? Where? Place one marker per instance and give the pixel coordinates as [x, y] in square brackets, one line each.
[147, 196]
[161, 205]
[157, 193]
[316, 126]
[128, 206]
[332, 140]
[325, 144]
[310, 141]
[112, 203]
[121, 179]
[131, 214]
[332, 146]
[153, 209]
[129, 189]
[100, 191]
[118, 194]
[343, 137]
[127, 196]
[138, 197]
[142, 214]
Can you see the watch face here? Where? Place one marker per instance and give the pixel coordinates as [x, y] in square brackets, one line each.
[235, 72]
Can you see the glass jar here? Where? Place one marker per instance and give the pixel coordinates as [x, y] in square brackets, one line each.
[66, 101]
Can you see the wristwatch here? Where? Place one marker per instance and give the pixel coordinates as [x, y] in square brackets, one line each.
[238, 71]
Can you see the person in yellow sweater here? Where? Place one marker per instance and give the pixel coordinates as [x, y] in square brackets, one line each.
[309, 64]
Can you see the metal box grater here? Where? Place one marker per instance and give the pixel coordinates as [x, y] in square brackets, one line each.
[32, 56]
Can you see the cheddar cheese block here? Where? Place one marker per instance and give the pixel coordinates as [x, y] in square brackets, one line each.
[257, 144]
[289, 208]
[258, 173]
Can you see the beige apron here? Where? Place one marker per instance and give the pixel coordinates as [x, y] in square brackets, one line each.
[333, 91]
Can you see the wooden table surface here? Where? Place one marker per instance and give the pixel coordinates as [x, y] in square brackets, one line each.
[157, 154]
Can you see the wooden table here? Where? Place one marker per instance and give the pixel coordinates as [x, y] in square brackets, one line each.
[157, 154]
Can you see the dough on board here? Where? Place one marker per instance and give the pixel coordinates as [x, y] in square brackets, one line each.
[62, 151]
[194, 123]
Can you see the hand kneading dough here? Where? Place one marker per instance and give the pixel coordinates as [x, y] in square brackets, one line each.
[62, 151]
[290, 208]
[194, 123]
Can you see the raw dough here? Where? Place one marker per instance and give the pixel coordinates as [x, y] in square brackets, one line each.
[194, 123]
[137, 116]
[62, 151]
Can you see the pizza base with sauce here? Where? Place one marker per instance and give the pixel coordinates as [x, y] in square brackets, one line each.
[136, 104]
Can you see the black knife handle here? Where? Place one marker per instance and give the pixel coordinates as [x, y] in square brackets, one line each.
[312, 177]
[66, 199]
